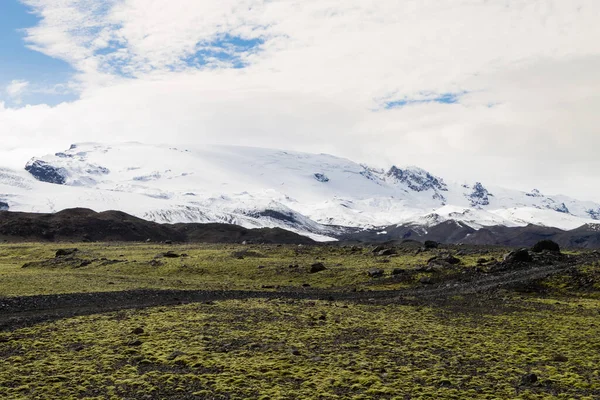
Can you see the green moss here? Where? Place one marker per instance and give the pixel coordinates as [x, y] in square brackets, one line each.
[280, 350]
[116, 267]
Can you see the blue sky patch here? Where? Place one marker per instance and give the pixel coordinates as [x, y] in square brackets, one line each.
[17, 62]
[226, 49]
[440, 98]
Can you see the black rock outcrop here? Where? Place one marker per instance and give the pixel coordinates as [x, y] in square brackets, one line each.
[44, 172]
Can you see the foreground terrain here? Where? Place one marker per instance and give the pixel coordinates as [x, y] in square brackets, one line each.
[145, 321]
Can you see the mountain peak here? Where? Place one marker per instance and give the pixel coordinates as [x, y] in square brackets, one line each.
[417, 179]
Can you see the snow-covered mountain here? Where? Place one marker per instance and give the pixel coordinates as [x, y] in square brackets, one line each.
[255, 187]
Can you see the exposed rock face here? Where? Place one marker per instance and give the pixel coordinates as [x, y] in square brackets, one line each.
[562, 208]
[4, 206]
[534, 193]
[419, 180]
[44, 172]
[480, 196]
[594, 214]
[321, 177]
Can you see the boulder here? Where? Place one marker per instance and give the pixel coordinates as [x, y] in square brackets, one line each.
[375, 272]
[547, 245]
[317, 267]
[450, 259]
[521, 255]
[529, 379]
[377, 249]
[430, 244]
[168, 254]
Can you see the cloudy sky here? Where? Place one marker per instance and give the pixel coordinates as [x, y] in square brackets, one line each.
[502, 91]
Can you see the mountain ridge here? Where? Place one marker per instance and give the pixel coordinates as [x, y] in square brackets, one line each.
[318, 195]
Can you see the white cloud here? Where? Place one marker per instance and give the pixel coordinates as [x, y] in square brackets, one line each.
[322, 74]
[15, 89]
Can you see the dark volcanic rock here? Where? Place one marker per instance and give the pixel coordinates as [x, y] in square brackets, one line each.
[375, 272]
[430, 244]
[521, 255]
[4, 206]
[168, 254]
[548, 245]
[65, 252]
[317, 267]
[385, 252]
[529, 379]
[450, 259]
[44, 172]
[377, 249]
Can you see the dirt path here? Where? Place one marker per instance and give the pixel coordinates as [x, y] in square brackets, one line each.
[17, 312]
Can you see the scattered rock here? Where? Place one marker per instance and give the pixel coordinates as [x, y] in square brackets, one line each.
[529, 379]
[175, 354]
[377, 249]
[547, 245]
[134, 343]
[168, 242]
[521, 255]
[261, 267]
[305, 285]
[481, 261]
[430, 244]
[426, 280]
[398, 271]
[450, 259]
[560, 358]
[385, 252]
[138, 331]
[445, 383]
[168, 254]
[295, 352]
[317, 267]
[375, 272]
[66, 252]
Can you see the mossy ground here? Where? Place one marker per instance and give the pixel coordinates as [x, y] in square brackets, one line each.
[117, 267]
[291, 349]
[284, 349]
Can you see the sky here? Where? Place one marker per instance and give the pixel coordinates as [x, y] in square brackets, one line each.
[505, 91]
